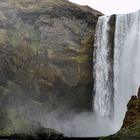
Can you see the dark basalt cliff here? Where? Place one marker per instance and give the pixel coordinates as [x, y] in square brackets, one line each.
[46, 49]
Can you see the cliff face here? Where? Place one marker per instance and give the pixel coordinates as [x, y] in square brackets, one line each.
[133, 112]
[131, 124]
[46, 49]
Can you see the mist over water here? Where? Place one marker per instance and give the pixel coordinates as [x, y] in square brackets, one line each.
[80, 125]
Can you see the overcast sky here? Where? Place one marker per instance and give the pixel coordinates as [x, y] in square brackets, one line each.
[109, 7]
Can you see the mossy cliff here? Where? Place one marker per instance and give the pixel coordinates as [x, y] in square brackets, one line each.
[131, 125]
[46, 49]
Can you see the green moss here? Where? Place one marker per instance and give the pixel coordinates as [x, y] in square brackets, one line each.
[7, 132]
[17, 123]
[89, 43]
[83, 58]
[133, 130]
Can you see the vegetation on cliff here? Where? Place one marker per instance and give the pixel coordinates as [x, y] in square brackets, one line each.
[131, 124]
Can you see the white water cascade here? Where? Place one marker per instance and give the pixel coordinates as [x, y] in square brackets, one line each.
[102, 102]
[111, 96]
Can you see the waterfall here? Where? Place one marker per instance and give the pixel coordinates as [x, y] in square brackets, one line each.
[112, 94]
[102, 104]
[127, 41]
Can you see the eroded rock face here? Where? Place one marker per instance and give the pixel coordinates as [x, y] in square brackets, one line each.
[46, 49]
[133, 110]
[131, 124]
[132, 114]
